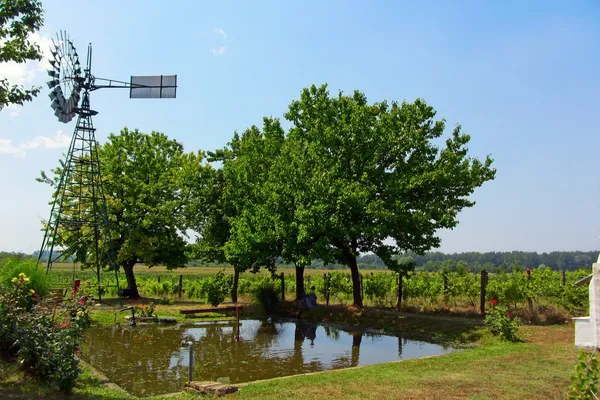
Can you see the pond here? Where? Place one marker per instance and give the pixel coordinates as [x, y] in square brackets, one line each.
[149, 360]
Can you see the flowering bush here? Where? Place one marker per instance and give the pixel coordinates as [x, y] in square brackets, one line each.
[501, 323]
[146, 311]
[42, 333]
[80, 312]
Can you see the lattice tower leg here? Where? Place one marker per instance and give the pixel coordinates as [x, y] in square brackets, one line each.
[78, 220]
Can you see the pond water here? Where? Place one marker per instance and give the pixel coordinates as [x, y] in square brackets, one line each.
[149, 360]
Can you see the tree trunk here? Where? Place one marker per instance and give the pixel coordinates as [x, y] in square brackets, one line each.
[355, 355]
[356, 292]
[234, 287]
[299, 283]
[131, 284]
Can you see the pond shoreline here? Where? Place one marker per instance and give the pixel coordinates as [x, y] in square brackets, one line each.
[149, 358]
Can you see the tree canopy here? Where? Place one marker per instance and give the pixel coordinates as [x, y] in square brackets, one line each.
[151, 188]
[348, 177]
[18, 20]
[377, 181]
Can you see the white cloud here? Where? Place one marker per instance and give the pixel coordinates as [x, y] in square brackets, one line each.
[219, 51]
[26, 73]
[59, 140]
[221, 32]
[7, 147]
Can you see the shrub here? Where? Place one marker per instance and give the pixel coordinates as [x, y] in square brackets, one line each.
[376, 286]
[584, 381]
[12, 267]
[501, 323]
[146, 310]
[266, 294]
[43, 334]
[168, 301]
[216, 288]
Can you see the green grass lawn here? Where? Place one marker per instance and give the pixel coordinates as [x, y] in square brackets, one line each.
[538, 368]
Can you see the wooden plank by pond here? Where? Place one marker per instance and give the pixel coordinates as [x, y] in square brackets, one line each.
[205, 310]
[209, 387]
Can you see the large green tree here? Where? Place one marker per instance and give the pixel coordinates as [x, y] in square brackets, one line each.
[290, 201]
[238, 227]
[149, 184]
[18, 20]
[376, 181]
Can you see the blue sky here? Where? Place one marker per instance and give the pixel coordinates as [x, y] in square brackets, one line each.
[521, 77]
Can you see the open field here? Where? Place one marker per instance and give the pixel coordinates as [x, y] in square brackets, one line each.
[190, 270]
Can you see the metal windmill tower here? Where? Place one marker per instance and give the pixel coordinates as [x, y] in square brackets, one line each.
[78, 225]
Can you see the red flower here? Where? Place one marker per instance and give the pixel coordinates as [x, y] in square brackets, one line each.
[493, 301]
[64, 325]
[134, 303]
[82, 302]
[146, 307]
[508, 315]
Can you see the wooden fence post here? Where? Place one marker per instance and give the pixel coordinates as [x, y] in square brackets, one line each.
[328, 288]
[563, 278]
[325, 287]
[180, 285]
[484, 279]
[529, 300]
[282, 287]
[399, 290]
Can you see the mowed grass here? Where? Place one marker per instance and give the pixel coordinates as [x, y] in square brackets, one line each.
[538, 368]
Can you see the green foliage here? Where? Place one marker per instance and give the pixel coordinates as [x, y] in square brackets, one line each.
[18, 20]
[45, 338]
[266, 294]
[167, 301]
[584, 381]
[399, 185]
[12, 267]
[149, 184]
[501, 323]
[146, 310]
[217, 287]
[377, 286]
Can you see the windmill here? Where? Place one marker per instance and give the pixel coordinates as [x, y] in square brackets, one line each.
[78, 225]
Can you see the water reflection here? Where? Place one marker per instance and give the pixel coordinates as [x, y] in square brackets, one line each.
[148, 360]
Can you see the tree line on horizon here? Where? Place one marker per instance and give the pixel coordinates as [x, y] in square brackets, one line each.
[434, 261]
